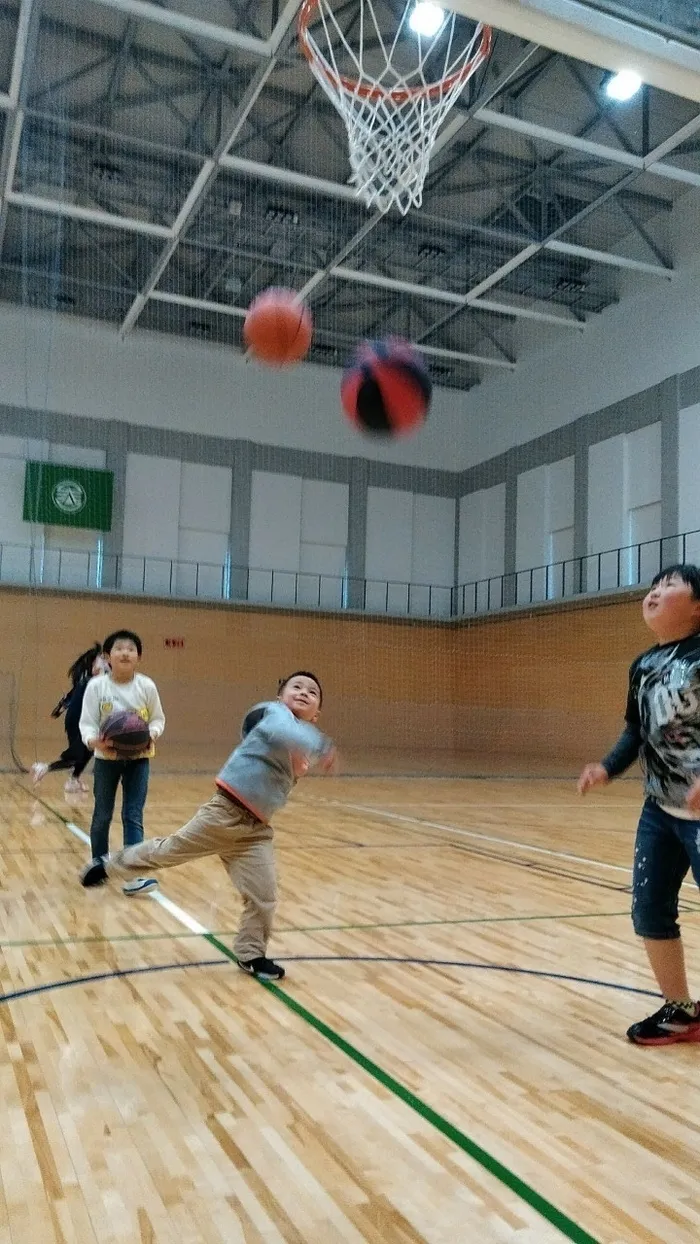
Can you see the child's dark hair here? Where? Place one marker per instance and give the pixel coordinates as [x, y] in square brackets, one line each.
[686, 572]
[301, 674]
[112, 639]
[81, 669]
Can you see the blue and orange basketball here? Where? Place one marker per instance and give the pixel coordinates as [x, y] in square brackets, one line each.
[127, 732]
[386, 390]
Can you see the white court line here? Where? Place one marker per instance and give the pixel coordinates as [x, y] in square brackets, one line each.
[79, 833]
[469, 833]
[505, 842]
[184, 918]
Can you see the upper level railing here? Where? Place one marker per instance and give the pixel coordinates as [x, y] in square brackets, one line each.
[630, 565]
[94, 570]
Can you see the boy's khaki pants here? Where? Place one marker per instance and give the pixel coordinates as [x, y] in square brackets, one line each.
[244, 845]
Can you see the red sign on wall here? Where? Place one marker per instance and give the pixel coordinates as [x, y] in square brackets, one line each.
[175, 643]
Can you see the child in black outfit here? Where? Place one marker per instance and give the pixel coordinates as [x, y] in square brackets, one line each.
[76, 756]
[662, 730]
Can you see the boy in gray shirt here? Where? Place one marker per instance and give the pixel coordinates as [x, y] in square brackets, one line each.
[280, 742]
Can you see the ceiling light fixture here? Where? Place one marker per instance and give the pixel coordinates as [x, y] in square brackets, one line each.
[426, 18]
[623, 85]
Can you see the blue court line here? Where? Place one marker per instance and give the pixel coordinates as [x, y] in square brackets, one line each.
[106, 976]
[431, 963]
[461, 963]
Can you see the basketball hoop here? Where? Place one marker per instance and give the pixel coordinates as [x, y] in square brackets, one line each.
[392, 93]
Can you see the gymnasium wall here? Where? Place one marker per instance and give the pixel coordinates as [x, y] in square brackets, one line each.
[538, 691]
[588, 447]
[80, 367]
[634, 345]
[548, 685]
[188, 505]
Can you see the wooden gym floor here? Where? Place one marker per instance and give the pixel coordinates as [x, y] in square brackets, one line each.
[445, 1062]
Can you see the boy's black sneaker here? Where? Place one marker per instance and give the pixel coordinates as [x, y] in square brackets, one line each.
[264, 969]
[667, 1026]
[94, 874]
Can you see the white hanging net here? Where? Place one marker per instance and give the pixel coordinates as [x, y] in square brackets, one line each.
[392, 91]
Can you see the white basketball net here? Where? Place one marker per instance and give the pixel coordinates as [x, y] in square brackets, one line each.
[392, 113]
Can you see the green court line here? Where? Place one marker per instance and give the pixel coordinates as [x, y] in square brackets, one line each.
[508, 1178]
[502, 1173]
[309, 928]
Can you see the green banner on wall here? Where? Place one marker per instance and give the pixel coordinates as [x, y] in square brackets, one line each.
[68, 496]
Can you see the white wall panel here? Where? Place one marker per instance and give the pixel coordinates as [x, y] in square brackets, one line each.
[544, 535]
[151, 523]
[410, 549]
[389, 549]
[606, 501]
[13, 531]
[624, 507]
[643, 467]
[482, 525]
[689, 478]
[275, 535]
[433, 554]
[205, 497]
[532, 519]
[275, 521]
[324, 512]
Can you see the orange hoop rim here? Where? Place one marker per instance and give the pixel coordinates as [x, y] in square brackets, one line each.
[398, 95]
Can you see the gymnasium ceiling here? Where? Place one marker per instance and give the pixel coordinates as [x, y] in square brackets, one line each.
[163, 163]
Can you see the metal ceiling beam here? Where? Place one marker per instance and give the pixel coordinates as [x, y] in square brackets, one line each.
[472, 299]
[442, 353]
[119, 68]
[209, 170]
[75, 75]
[656, 250]
[141, 9]
[199, 304]
[527, 313]
[340, 191]
[285, 177]
[92, 39]
[54, 207]
[613, 261]
[462, 117]
[651, 163]
[403, 287]
[525, 171]
[602, 105]
[220, 308]
[91, 130]
[197, 28]
[338, 271]
[577, 30]
[528, 252]
[494, 278]
[16, 95]
[191, 204]
[473, 296]
[144, 11]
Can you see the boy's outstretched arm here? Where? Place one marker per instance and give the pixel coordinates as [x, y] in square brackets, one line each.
[281, 727]
[622, 755]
